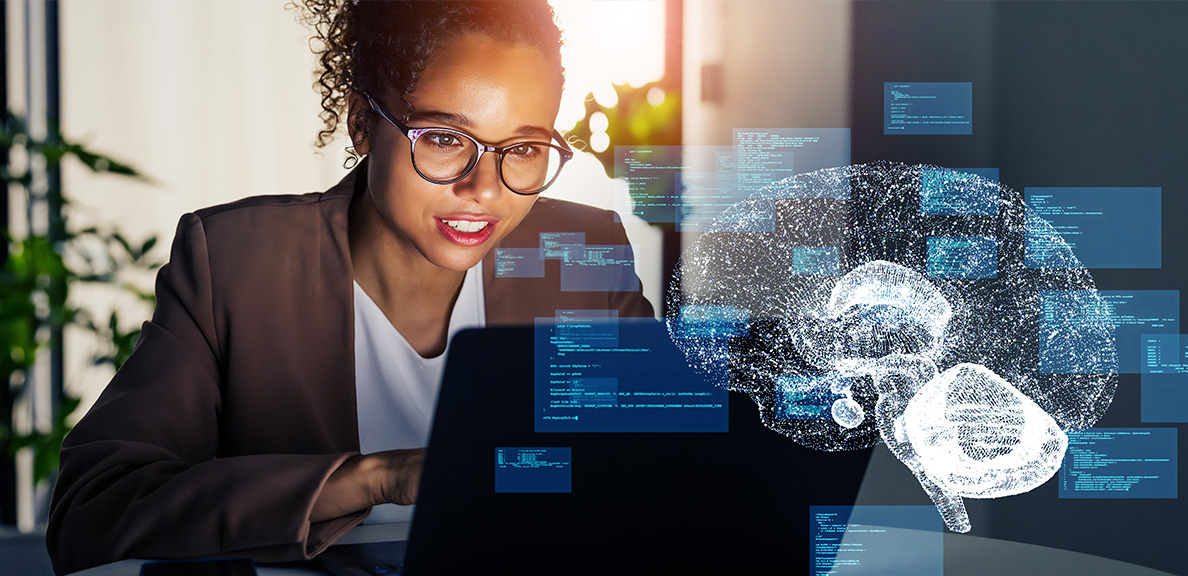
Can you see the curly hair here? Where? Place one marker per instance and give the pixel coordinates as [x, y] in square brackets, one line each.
[369, 45]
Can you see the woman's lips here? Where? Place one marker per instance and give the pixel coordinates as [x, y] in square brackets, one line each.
[467, 231]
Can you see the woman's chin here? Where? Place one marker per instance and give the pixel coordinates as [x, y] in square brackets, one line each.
[458, 262]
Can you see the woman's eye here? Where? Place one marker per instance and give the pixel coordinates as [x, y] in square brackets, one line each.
[524, 151]
[443, 139]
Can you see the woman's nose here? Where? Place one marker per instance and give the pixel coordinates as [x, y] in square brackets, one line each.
[483, 183]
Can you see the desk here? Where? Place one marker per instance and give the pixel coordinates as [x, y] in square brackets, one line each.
[360, 535]
[964, 554]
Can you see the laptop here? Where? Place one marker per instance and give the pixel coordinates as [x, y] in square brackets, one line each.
[685, 477]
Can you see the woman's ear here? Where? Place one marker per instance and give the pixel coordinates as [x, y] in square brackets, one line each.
[358, 126]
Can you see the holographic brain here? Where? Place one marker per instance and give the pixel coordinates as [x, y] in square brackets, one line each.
[893, 302]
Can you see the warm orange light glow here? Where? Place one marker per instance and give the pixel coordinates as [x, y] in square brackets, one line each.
[607, 41]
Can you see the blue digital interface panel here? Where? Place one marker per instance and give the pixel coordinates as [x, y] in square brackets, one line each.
[609, 268]
[534, 470]
[921, 108]
[562, 246]
[675, 184]
[596, 374]
[1164, 354]
[1104, 227]
[714, 322]
[519, 263]
[649, 172]
[816, 261]
[962, 257]
[958, 192]
[1134, 313]
[707, 186]
[1120, 463]
[803, 397]
[764, 155]
[1165, 378]
[1164, 398]
[875, 540]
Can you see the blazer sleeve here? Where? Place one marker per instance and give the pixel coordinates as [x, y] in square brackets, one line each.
[141, 474]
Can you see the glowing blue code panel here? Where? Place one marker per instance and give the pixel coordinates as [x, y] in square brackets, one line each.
[706, 186]
[1164, 354]
[1119, 463]
[1164, 398]
[669, 184]
[534, 470]
[875, 540]
[1071, 350]
[562, 246]
[649, 172]
[816, 261]
[958, 192]
[519, 263]
[802, 397]
[962, 257]
[762, 156]
[608, 268]
[1165, 378]
[594, 374]
[1105, 227]
[917, 108]
[712, 322]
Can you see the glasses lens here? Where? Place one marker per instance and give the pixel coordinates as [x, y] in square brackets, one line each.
[443, 155]
[530, 166]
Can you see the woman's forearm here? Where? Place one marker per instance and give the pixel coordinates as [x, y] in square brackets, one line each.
[365, 481]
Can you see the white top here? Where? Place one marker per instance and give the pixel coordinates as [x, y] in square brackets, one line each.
[396, 388]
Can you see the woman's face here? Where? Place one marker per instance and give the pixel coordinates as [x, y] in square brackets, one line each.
[497, 92]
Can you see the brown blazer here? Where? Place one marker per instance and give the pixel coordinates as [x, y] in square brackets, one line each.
[239, 401]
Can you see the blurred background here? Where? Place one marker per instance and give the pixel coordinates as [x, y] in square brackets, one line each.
[126, 114]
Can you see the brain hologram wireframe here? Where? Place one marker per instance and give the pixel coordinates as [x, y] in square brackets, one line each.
[853, 306]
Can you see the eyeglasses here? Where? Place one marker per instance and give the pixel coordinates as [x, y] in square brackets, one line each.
[445, 156]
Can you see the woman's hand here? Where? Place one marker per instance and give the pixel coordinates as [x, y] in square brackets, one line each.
[402, 475]
[365, 481]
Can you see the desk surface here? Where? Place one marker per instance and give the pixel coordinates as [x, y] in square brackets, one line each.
[361, 534]
[964, 554]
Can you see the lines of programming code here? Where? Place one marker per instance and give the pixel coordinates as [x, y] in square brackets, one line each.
[1119, 463]
[1133, 313]
[962, 257]
[1164, 354]
[957, 192]
[875, 540]
[533, 470]
[715, 322]
[518, 263]
[562, 245]
[919, 108]
[804, 397]
[595, 372]
[1105, 227]
[706, 186]
[650, 174]
[1165, 378]
[686, 185]
[608, 268]
[762, 156]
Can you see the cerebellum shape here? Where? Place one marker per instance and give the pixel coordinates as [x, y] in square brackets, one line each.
[978, 436]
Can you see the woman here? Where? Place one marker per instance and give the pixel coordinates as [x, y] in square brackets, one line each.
[286, 381]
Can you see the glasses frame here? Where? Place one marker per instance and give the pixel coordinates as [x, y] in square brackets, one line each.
[414, 133]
